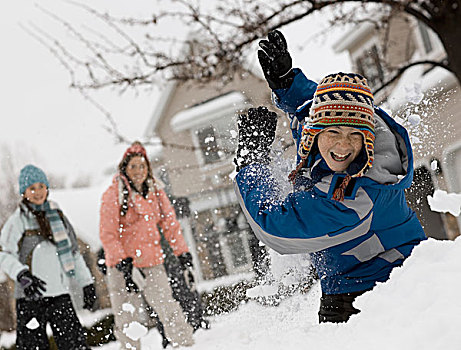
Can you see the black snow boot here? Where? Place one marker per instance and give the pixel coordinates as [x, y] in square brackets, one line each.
[337, 308]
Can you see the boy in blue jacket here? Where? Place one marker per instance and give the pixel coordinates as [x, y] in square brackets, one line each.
[348, 207]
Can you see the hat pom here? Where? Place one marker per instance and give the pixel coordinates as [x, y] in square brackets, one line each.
[135, 148]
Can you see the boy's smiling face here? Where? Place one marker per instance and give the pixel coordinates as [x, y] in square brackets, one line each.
[339, 146]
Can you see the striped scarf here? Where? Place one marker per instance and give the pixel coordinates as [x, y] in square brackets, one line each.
[60, 237]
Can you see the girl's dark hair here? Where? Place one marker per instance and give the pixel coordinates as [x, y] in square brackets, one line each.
[124, 163]
[145, 188]
[43, 223]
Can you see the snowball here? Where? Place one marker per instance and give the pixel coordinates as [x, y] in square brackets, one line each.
[33, 324]
[138, 252]
[434, 165]
[414, 119]
[135, 330]
[212, 60]
[209, 139]
[444, 202]
[233, 133]
[128, 307]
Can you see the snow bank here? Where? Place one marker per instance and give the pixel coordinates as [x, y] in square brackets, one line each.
[417, 309]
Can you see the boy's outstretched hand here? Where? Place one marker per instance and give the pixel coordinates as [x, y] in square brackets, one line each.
[276, 61]
[256, 134]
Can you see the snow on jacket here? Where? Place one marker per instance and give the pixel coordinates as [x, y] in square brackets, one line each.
[136, 234]
[21, 247]
[355, 243]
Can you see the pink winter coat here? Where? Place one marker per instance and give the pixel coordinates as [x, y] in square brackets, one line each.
[136, 234]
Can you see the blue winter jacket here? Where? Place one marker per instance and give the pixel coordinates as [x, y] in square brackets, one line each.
[354, 243]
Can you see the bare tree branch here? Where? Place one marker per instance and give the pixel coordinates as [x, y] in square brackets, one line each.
[401, 70]
[224, 32]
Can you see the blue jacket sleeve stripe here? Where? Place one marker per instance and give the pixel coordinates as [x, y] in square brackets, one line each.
[285, 241]
[285, 245]
[361, 202]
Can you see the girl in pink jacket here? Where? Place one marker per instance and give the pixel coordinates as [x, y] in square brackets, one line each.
[132, 210]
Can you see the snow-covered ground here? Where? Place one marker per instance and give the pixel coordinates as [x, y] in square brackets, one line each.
[418, 308]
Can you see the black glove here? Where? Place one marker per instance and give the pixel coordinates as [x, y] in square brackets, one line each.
[89, 296]
[187, 267]
[101, 262]
[32, 286]
[275, 61]
[186, 261]
[126, 267]
[256, 134]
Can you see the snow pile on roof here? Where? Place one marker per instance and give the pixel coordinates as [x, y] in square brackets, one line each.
[221, 106]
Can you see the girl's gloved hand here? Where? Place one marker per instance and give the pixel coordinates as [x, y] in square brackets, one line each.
[188, 269]
[32, 286]
[126, 267]
[89, 296]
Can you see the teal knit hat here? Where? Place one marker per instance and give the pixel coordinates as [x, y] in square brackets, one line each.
[29, 175]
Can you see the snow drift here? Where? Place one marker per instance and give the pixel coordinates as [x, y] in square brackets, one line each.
[418, 308]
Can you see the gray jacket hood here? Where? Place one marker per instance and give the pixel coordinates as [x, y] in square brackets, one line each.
[390, 163]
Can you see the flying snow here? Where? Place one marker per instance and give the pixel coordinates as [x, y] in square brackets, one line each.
[444, 202]
[33, 324]
[128, 307]
[135, 330]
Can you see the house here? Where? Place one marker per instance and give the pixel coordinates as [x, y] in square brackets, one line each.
[197, 125]
[434, 122]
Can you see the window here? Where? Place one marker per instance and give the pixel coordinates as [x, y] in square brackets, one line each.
[215, 141]
[369, 65]
[165, 178]
[208, 145]
[237, 249]
[425, 37]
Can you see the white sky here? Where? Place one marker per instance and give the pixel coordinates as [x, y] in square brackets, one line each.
[55, 128]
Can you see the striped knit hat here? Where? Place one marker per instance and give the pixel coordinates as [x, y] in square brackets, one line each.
[341, 99]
